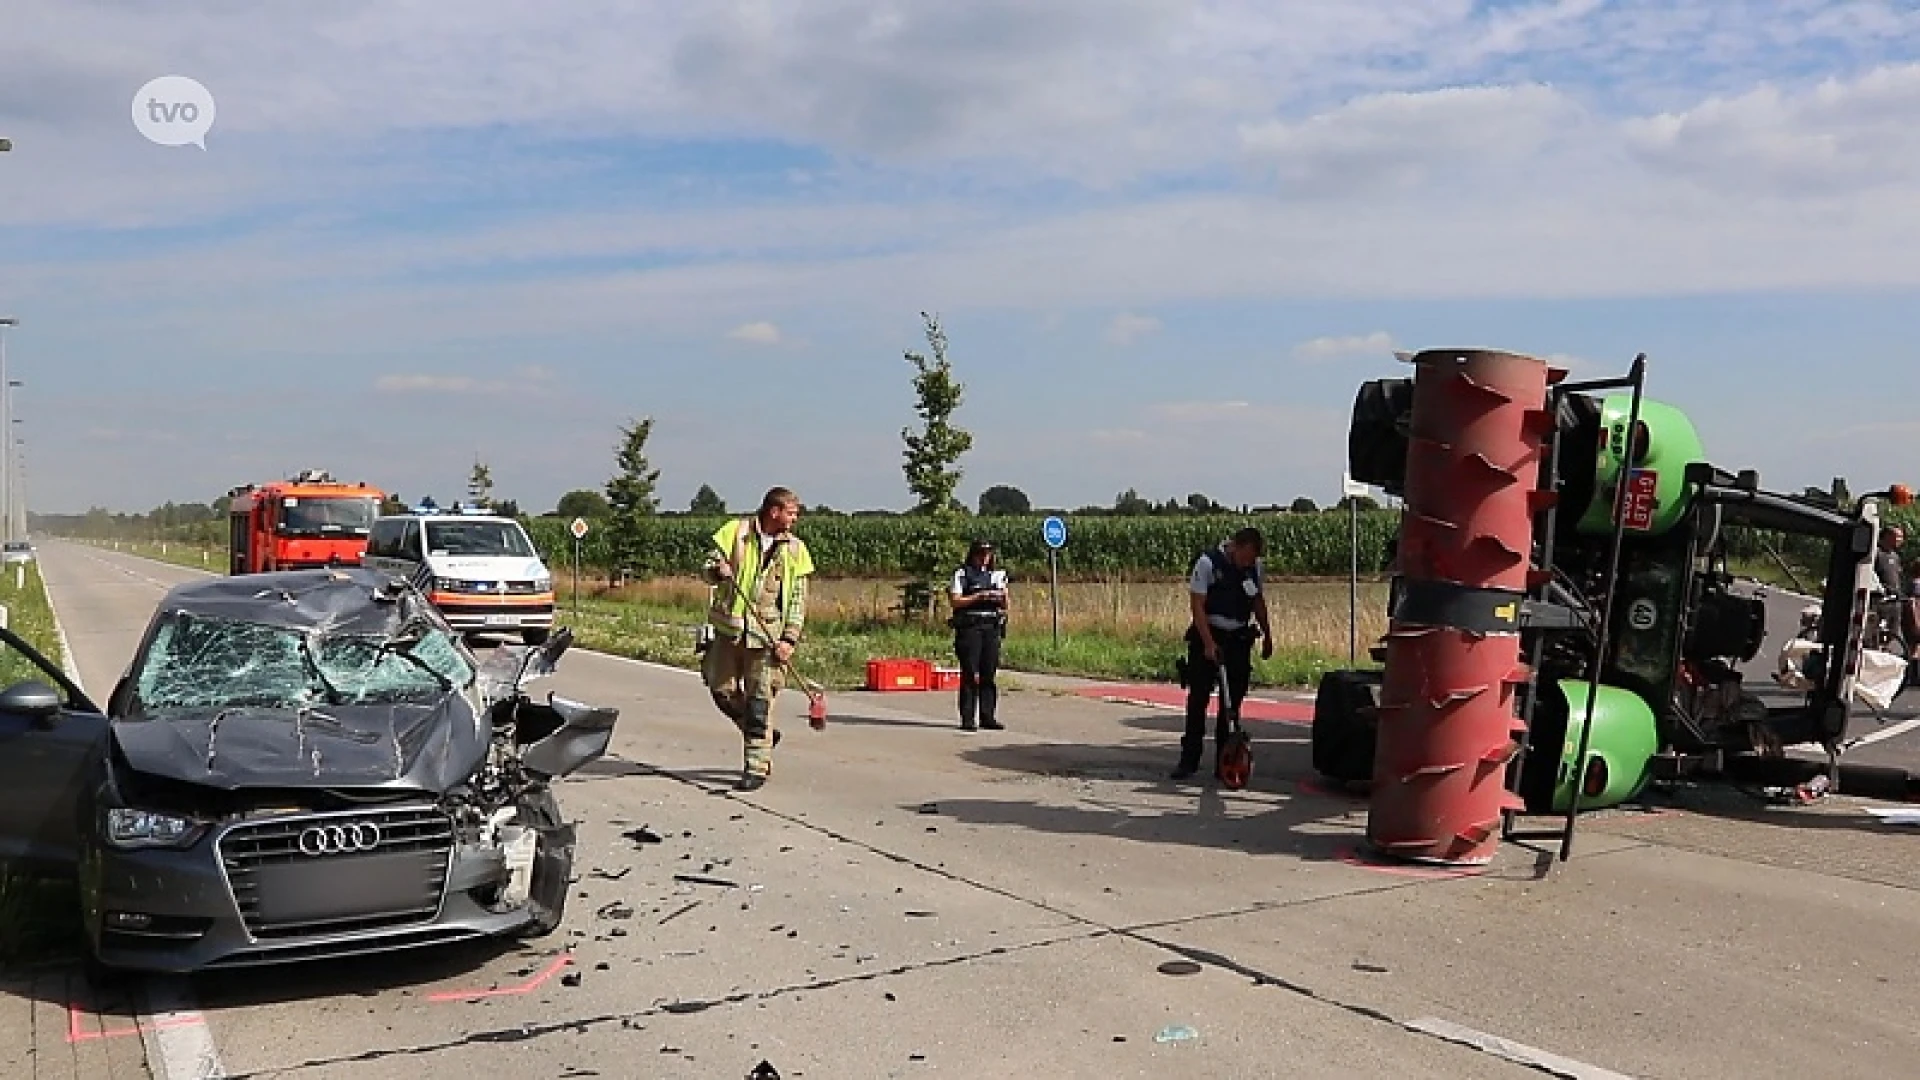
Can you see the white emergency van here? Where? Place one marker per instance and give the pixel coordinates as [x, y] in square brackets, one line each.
[481, 570]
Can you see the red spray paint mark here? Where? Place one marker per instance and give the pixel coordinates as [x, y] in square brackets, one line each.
[1158, 696]
[1353, 858]
[527, 987]
[1314, 787]
[77, 1033]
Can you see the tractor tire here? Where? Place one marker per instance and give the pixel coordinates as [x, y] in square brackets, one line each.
[1346, 725]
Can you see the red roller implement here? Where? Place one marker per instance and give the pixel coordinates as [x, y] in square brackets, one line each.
[1447, 723]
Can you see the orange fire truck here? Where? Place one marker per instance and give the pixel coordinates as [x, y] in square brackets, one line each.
[305, 521]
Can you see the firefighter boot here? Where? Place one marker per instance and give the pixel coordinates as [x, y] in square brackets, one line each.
[757, 737]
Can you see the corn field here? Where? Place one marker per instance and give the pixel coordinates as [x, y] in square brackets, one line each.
[1298, 545]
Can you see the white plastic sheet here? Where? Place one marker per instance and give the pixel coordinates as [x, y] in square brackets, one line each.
[1878, 682]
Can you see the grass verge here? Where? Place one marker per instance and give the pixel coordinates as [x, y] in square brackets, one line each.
[1114, 629]
[39, 917]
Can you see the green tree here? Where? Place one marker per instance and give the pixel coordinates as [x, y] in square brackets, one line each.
[1303, 505]
[707, 501]
[480, 485]
[1004, 500]
[931, 465]
[1130, 502]
[631, 498]
[582, 503]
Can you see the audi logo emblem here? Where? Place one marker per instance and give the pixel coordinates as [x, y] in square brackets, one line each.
[339, 839]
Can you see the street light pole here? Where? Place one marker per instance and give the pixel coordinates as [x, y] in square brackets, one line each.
[6, 417]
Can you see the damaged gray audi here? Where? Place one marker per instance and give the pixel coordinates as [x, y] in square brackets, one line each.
[299, 765]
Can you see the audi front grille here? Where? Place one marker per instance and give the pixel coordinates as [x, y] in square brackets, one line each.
[340, 873]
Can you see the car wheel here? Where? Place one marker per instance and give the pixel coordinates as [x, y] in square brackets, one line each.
[535, 637]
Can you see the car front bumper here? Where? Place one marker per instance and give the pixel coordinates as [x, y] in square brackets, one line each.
[241, 897]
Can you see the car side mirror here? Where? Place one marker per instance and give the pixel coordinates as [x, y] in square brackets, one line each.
[556, 645]
[31, 698]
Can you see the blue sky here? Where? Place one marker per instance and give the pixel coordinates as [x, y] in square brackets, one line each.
[1168, 238]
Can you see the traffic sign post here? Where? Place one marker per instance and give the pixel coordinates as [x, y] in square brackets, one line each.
[579, 530]
[1054, 532]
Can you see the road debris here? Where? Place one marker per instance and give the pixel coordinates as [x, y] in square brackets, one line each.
[764, 1071]
[702, 879]
[615, 876]
[679, 913]
[1177, 1033]
[615, 910]
[1179, 967]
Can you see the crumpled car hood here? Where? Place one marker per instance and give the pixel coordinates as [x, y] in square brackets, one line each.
[404, 746]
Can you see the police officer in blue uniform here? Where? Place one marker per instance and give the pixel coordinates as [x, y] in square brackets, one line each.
[1228, 600]
[979, 598]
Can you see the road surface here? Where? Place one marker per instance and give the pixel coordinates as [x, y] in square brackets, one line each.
[910, 901]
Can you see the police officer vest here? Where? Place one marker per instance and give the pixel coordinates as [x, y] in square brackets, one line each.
[1227, 596]
[974, 579]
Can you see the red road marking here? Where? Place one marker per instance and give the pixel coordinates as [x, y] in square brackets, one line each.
[77, 1034]
[1311, 787]
[506, 991]
[1160, 696]
[1353, 858]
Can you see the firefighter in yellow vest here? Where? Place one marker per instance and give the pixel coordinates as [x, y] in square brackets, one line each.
[759, 571]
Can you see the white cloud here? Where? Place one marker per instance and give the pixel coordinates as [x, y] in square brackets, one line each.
[1378, 343]
[1836, 138]
[527, 381]
[1127, 328]
[757, 333]
[1407, 140]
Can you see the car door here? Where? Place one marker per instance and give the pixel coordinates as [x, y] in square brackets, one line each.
[50, 746]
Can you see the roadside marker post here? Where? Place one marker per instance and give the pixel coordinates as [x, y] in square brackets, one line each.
[579, 530]
[1054, 532]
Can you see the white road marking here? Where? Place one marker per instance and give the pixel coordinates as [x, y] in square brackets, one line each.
[178, 1041]
[1900, 728]
[1519, 1053]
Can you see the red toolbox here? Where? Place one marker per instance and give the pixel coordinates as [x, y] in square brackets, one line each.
[899, 674]
[946, 678]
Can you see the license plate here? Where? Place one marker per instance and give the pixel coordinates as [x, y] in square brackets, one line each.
[499, 620]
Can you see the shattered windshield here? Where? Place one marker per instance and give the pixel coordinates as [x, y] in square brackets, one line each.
[309, 516]
[197, 663]
[478, 538]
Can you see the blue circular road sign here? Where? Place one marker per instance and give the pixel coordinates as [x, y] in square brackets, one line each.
[1054, 532]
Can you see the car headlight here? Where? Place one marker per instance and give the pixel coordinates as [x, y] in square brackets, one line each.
[148, 828]
[543, 583]
[447, 584]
